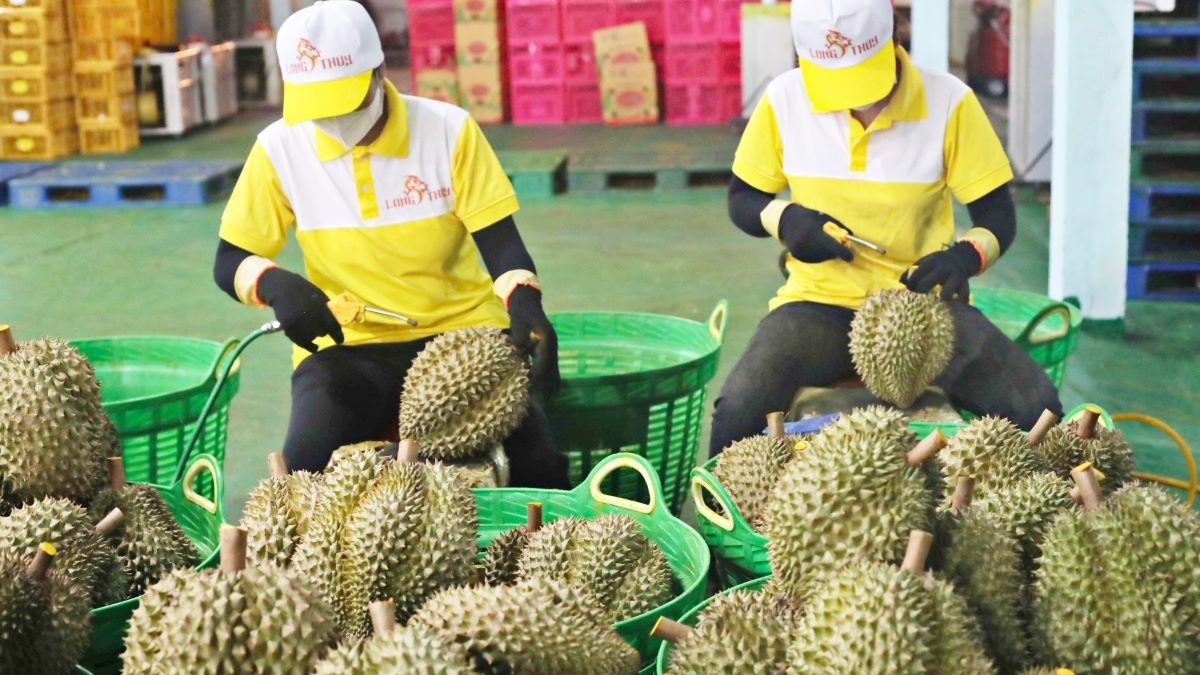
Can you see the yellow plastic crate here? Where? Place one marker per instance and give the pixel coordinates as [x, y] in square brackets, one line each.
[122, 108]
[159, 19]
[103, 80]
[107, 137]
[53, 114]
[52, 56]
[38, 143]
[32, 24]
[105, 19]
[48, 6]
[105, 51]
[34, 85]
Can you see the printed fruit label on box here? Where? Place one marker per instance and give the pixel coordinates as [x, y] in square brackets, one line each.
[477, 42]
[629, 94]
[474, 10]
[627, 40]
[480, 93]
[439, 84]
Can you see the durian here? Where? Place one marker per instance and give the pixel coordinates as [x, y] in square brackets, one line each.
[501, 563]
[229, 620]
[900, 342]
[535, 627]
[1026, 508]
[465, 392]
[1117, 589]
[1070, 444]
[853, 494]
[993, 452]
[85, 556]
[412, 650]
[750, 468]
[44, 618]
[149, 541]
[54, 436]
[609, 557]
[739, 631]
[277, 511]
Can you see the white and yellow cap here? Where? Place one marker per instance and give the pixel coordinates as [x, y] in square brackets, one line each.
[845, 50]
[326, 52]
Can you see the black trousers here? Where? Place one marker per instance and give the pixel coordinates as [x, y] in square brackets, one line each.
[348, 394]
[806, 344]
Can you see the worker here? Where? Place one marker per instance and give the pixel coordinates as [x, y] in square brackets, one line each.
[393, 199]
[876, 145]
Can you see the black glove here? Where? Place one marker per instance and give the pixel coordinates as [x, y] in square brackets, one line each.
[802, 231]
[951, 268]
[533, 334]
[299, 307]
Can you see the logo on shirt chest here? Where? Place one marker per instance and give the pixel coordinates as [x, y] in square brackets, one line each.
[416, 191]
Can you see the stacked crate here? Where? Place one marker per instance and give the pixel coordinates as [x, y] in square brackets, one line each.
[579, 19]
[431, 49]
[535, 62]
[104, 34]
[36, 119]
[480, 58]
[702, 67]
[159, 19]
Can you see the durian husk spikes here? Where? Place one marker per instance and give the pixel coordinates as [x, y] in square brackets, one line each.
[927, 448]
[775, 427]
[919, 543]
[383, 616]
[963, 489]
[1044, 424]
[7, 344]
[670, 631]
[1087, 487]
[110, 522]
[276, 465]
[40, 565]
[533, 517]
[233, 548]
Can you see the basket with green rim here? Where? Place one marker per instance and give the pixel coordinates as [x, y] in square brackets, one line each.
[634, 382]
[1046, 329]
[740, 552]
[663, 657]
[199, 512]
[501, 509]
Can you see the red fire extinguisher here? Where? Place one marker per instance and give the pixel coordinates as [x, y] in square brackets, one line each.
[987, 51]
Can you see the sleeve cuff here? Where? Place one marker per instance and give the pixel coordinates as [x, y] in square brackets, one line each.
[491, 214]
[984, 184]
[261, 247]
[757, 179]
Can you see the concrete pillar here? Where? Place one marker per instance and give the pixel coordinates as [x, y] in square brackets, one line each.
[931, 33]
[1089, 209]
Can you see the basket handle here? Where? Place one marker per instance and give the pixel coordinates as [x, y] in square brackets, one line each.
[718, 319]
[626, 460]
[203, 462]
[229, 345]
[1027, 336]
[704, 482]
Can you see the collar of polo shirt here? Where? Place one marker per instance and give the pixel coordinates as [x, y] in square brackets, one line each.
[392, 141]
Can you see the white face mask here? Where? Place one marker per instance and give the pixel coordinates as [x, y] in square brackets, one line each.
[353, 126]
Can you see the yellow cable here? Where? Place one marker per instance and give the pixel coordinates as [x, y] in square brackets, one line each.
[1190, 486]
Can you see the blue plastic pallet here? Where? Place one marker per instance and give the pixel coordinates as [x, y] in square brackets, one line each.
[1165, 280]
[11, 170]
[125, 183]
[1164, 203]
[1149, 242]
[1176, 120]
[1182, 73]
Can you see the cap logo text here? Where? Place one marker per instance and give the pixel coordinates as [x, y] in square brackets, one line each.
[308, 59]
[838, 45]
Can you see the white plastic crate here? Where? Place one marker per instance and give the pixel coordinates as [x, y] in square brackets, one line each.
[259, 81]
[173, 79]
[218, 81]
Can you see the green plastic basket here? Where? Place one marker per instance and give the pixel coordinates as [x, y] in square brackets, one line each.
[154, 389]
[1048, 330]
[634, 383]
[689, 619]
[739, 552]
[501, 509]
[200, 513]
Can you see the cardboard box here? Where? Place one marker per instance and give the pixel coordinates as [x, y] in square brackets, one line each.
[480, 92]
[477, 42]
[629, 93]
[621, 44]
[439, 84]
[475, 10]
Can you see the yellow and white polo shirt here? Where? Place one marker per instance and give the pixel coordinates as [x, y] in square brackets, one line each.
[890, 183]
[389, 222]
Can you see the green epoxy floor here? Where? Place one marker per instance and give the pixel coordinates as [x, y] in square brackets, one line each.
[92, 272]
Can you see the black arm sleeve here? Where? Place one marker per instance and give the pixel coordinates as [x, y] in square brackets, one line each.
[225, 267]
[995, 212]
[746, 203]
[502, 249]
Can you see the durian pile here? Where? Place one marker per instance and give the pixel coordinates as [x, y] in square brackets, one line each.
[1035, 564]
[73, 534]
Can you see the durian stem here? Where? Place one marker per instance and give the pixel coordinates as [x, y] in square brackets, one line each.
[116, 473]
[962, 492]
[1044, 424]
[276, 465]
[409, 451]
[37, 569]
[1085, 426]
[671, 631]
[928, 447]
[383, 616]
[233, 548]
[1088, 489]
[775, 425]
[533, 517]
[110, 522]
[7, 344]
[919, 543]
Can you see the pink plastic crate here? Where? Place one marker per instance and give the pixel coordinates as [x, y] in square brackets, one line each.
[692, 19]
[579, 64]
[658, 54]
[649, 12]
[731, 101]
[729, 62]
[538, 103]
[431, 21]
[431, 55]
[581, 17]
[583, 104]
[729, 20]
[693, 61]
[533, 21]
[535, 62]
[691, 103]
